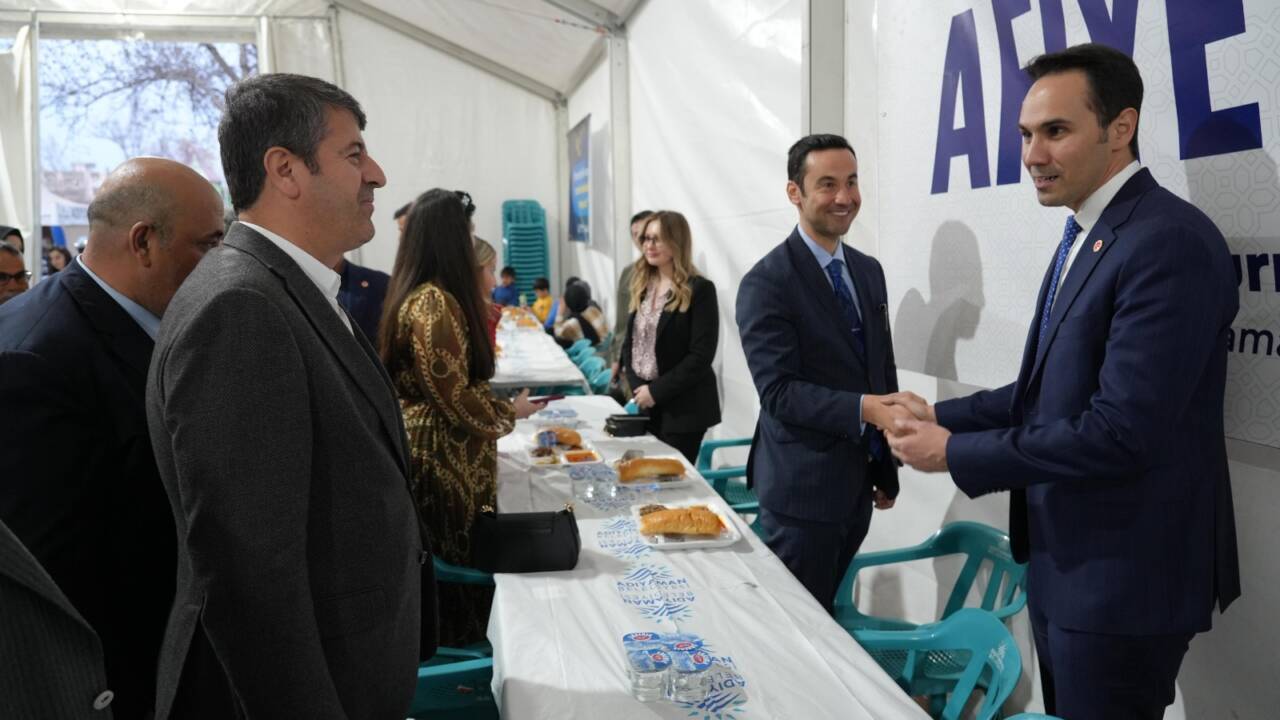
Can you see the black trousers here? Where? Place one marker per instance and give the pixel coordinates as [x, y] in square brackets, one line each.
[688, 443]
[817, 553]
[1088, 676]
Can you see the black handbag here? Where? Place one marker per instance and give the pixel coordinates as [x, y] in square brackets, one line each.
[525, 542]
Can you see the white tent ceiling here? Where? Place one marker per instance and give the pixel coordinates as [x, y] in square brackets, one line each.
[544, 45]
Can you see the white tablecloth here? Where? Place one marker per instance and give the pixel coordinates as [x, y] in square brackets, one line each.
[557, 636]
[529, 358]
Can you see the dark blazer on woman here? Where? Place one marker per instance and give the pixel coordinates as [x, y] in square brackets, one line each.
[685, 389]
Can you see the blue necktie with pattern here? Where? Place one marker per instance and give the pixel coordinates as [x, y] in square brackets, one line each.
[1069, 234]
[849, 312]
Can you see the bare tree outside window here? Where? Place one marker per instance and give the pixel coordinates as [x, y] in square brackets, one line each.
[102, 101]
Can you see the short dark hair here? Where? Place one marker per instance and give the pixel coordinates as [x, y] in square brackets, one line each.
[1113, 79]
[275, 110]
[799, 152]
[640, 216]
[402, 211]
[508, 270]
[541, 284]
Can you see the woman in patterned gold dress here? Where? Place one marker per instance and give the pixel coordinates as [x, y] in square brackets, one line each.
[436, 346]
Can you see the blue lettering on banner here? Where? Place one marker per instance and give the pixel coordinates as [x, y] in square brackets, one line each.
[961, 73]
[620, 538]
[657, 593]
[726, 690]
[1193, 24]
[1203, 131]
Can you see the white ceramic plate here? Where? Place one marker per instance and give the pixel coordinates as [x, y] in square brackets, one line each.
[728, 535]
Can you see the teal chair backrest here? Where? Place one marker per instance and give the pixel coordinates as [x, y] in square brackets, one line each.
[456, 685]
[1003, 596]
[1033, 716]
[457, 574]
[580, 348]
[600, 381]
[591, 365]
[970, 646]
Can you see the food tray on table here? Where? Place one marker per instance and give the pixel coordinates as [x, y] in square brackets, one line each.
[557, 417]
[685, 477]
[727, 535]
[561, 446]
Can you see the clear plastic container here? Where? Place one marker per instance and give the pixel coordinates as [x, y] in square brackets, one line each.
[689, 676]
[647, 670]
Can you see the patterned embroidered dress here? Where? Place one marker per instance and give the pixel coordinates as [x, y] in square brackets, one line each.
[453, 428]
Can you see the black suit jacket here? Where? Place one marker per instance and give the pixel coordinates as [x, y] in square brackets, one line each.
[50, 659]
[281, 446]
[80, 486]
[685, 390]
[807, 458]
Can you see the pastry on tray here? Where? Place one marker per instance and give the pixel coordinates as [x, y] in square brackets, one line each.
[694, 520]
[644, 468]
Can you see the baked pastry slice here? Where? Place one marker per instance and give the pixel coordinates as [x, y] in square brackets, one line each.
[695, 520]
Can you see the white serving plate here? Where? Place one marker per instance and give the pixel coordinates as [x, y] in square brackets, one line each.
[689, 477]
[728, 536]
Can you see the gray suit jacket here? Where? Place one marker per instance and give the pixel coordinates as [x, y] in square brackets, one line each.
[51, 662]
[283, 453]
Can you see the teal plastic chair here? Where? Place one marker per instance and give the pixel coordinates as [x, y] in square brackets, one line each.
[458, 575]
[592, 365]
[947, 660]
[1004, 596]
[729, 481]
[455, 685]
[579, 350]
[600, 381]
[1033, 716]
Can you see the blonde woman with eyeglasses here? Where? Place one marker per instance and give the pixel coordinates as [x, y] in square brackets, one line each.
[672, 332]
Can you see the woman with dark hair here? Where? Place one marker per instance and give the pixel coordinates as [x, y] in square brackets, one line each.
[435, 344]
[59, 258]
[580, 317]
[672, 333]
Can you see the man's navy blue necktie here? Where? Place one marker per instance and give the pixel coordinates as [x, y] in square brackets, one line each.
[1069, 234]
[849, 312]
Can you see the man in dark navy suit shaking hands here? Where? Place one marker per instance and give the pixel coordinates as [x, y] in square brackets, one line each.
[815, 329]
[1111, 438]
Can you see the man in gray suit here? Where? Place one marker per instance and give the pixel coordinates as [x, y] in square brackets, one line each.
[51, 658]
[280, 441]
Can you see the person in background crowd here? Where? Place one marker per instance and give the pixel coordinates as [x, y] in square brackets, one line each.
[506, 293]
[543, 302]
[59, 258]
[14, 277]
[672, 333]
[1111, 438]
[815, 330]
[402, 216]
[12, 237]
[436, 345]
[52, 658]
[80, 486]
[580, 317]
[279, 439]
[622, 307]
[360, 293]
[487, 259]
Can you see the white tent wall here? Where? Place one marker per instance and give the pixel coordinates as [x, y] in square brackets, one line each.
[715, 103]
[594, 261]
[964, 267]
[435, 121]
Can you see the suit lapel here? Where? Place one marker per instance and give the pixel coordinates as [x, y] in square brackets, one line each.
[341, 341]
[815, 282]
[17, 563]
[872, 327]
[1088, 257]
[121, 334]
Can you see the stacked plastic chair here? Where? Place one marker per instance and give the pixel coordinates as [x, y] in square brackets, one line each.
[524, 234]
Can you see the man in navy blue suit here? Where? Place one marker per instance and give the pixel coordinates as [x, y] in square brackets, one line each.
[1111, 439]
[361, 293]
[815, 329]
[80, 486]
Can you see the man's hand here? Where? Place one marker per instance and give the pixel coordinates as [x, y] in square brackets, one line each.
[881, 500]
[922, 445]
[878, 412]
[917, 405]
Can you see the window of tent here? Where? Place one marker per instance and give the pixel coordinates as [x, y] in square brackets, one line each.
[135, 92]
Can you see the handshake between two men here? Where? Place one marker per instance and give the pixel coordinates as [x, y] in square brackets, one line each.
[911, 429]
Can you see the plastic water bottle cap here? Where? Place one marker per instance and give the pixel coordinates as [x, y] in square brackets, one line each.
[632, 408]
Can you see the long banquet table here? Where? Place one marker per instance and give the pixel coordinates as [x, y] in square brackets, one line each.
[531, 358]
[557, 636]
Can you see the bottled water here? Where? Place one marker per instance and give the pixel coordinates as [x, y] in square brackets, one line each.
[648, 672]
[689, 676]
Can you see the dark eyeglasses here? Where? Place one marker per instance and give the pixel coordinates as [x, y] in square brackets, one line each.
[20, 277]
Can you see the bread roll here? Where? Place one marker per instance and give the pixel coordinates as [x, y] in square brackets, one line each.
[640, 468]
[567, 437]
[696, 520]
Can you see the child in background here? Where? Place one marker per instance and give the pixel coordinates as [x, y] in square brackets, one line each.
[542, 306]
[506, 293]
